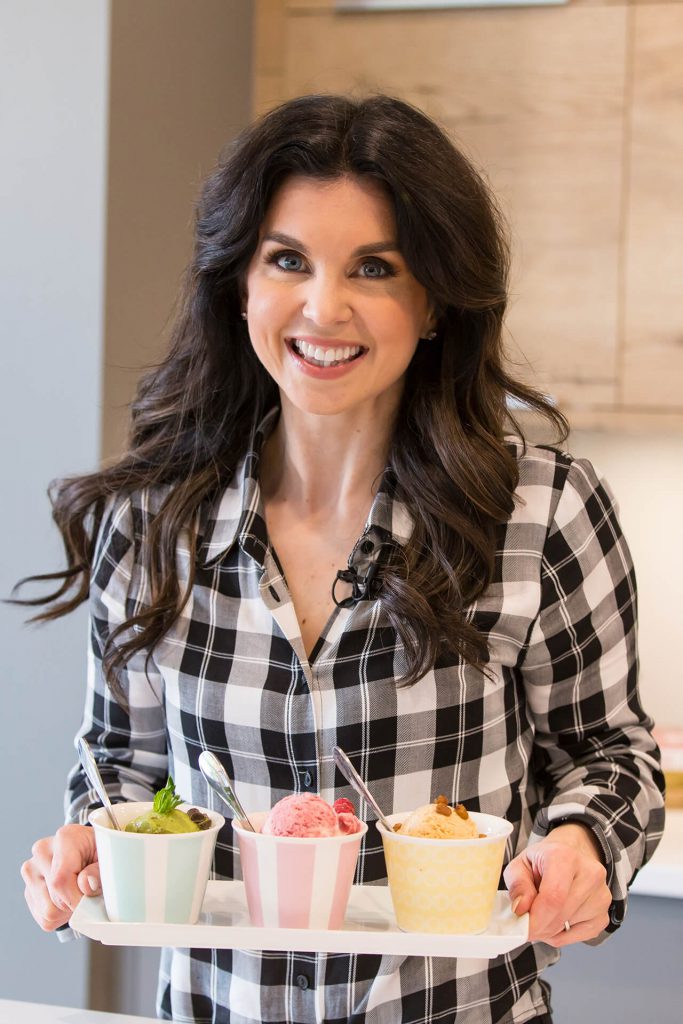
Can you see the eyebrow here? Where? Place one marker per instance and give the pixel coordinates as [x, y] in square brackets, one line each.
[362, 250]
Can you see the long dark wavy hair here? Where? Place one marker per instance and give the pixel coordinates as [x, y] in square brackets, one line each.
[193, 415]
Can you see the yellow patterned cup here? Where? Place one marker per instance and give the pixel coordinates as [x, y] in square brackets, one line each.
[445, 886]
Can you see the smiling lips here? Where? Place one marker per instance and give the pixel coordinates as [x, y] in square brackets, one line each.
[325, 356]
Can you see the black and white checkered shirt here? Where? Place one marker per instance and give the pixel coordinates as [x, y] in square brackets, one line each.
[556, 730]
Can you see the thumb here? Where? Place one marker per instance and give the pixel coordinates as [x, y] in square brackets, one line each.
[521, 885]
[88, 880]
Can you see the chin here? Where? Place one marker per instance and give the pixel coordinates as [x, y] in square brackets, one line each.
[320, 406]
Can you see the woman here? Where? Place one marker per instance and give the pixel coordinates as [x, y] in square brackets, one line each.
[320, 536]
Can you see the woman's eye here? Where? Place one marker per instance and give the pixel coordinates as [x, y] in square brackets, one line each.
[287, 261]
[375, 268]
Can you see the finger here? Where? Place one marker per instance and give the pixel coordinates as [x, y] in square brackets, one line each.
[594, 908]
[556, 867]
[582, 931]
[42, 908]
[521, 885]
[41, 854]
[73, 850]
[583, 896]
[44, 905]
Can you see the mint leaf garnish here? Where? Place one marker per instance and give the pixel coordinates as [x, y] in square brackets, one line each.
[166, 799]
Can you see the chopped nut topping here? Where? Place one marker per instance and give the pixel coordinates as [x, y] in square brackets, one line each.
[461, 811]
[443, 809]
[441, 799]
[199, 818]
[397, 826]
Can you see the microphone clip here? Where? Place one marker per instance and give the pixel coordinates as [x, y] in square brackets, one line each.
[363, 588]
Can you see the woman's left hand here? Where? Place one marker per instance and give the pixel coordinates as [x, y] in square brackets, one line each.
[561, 879]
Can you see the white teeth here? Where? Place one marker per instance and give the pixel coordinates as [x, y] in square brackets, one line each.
[325, 356]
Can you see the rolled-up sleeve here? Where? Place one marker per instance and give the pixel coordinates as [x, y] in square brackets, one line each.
[128, 739]
[597, 760]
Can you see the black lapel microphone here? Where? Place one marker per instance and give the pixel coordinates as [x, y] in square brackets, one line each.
[363, 588]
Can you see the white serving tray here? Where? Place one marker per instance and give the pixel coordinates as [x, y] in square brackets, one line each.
[369, 927]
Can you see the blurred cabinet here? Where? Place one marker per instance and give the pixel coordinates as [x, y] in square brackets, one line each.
[653, 300]
[574, 113]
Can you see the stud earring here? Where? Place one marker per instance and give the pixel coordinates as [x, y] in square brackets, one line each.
[431, 336]
[243, 315]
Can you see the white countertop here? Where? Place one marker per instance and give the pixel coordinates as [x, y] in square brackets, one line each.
[38, 1013]
[663, 875]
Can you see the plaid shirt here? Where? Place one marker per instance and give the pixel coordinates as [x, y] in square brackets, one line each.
[556, 730]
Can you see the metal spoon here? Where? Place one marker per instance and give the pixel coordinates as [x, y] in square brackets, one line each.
[217, 777]
[351, 775]
[90, 768]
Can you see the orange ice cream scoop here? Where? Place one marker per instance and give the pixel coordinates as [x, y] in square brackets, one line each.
[439, 820]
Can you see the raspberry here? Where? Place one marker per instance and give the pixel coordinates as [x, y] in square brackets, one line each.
[344, 806]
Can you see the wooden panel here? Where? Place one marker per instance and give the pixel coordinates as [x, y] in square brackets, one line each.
[179, 90]
[653, 358]
[269, 58]
[546, 125]
[644, 422]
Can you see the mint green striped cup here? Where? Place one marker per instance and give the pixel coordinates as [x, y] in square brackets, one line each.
[154, 878]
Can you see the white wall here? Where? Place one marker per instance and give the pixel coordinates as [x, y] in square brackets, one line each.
[53, 126]
[646, 475]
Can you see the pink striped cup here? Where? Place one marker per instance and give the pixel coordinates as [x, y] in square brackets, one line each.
[297, 883]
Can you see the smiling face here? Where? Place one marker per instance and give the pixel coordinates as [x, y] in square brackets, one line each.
[334, 313]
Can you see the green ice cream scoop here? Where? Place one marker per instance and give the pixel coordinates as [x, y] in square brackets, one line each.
[165, 818]
[153, 823]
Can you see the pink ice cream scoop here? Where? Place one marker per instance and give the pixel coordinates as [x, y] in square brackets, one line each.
[308, 816]
[299, 864]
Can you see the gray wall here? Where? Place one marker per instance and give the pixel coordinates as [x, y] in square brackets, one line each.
[179, 91]
[632, 978]
[53, 127]
[111, 114]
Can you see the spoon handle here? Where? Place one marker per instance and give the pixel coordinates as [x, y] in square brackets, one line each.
[89, 765]
[236, 805]
[217, 777]
[351, 775]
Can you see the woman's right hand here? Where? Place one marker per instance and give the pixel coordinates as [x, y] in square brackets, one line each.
[62, 869]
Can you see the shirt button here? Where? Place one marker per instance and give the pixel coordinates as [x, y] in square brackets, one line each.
[302, 981]
[308, 780]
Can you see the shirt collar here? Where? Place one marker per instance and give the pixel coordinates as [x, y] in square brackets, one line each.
[238, 514]
[388, 514]
[238, 511]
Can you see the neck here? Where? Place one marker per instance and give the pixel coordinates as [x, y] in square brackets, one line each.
[325, 464]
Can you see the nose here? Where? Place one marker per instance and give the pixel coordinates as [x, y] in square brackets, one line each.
[326, 301]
